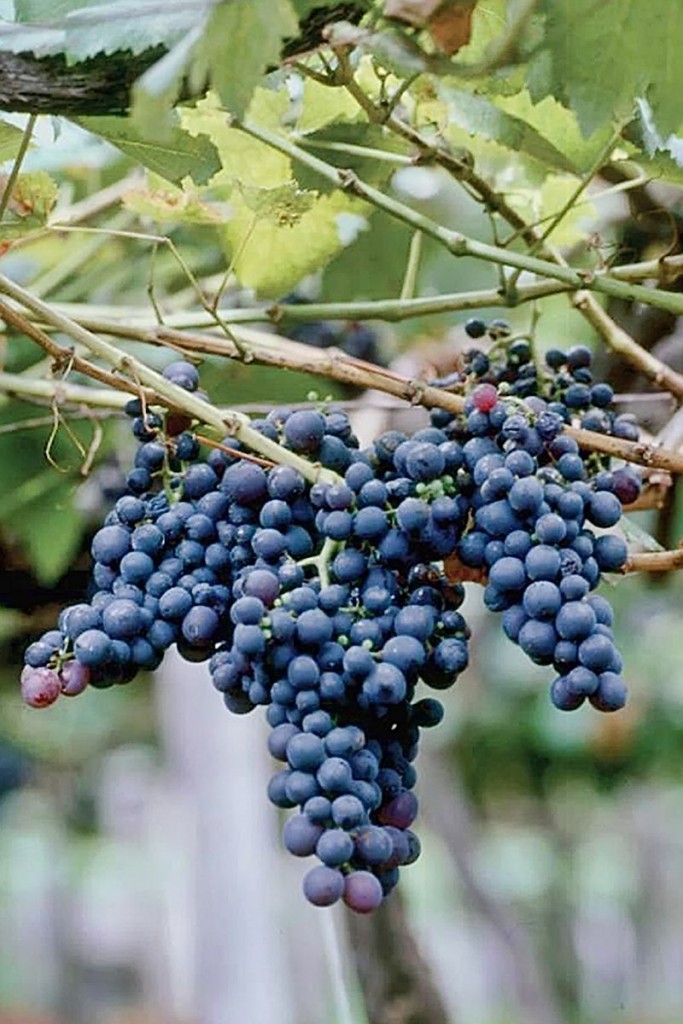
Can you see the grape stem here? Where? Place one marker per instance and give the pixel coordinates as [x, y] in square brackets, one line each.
[322, 561]
[654, 561]
[667, 270]
[462, 170]
[273, 350]
[168, 393]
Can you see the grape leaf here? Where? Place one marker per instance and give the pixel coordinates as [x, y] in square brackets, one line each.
[45, 10]
[40, 40]
[321, 106]
[32, 198]
[283, 205]
[107, 27]
[242, 158]
[272, 259]
[480, 116]
[175, 206]
[158, 88]
[638, 44]
[10, 140]
[50, 532]
[241, 40]
[488, 24]
[134, 25]
[559, 126]
[181, 155]
[366, 136]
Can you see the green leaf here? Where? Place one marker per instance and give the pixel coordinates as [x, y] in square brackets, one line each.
[134, 25]
[175, 206]
[45, 10]
[283, 206]
[181, 155]
[241, 40]
[156, 91]
[540, 205]
[40, 40]
[559, 126]
[304, 7]
[10, 140]
[50, 532]
[242, 158]
[489, 23]
[270, 256]
[606, 55]
[106, 27]
[480, 116]
[371, 169]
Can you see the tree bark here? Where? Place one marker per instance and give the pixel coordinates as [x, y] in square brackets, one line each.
[48, 85]
[102, 85]
[397, 982]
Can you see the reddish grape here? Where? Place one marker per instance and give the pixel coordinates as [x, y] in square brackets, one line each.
[40, 687]
[484, 397]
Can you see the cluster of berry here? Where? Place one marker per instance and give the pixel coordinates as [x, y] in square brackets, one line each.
[535, 498]
[328, 602]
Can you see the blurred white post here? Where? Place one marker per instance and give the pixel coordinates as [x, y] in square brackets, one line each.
[222, 765]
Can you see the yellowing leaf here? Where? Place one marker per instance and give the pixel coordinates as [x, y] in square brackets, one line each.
[175, 206]
[33, 196]
[322, 105]
[540, 205]
[273, 259]
[242, 157]
[283, 206]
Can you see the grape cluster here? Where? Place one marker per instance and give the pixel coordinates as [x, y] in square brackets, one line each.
[336, 655]
[535, 499]
[329, 602]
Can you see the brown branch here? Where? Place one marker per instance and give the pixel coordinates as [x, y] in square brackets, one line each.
[63, 356]
[272, 350]
[654, 561]
[397, 982]
[49, 85]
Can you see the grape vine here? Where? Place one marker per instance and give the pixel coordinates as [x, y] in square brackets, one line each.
[324, 581]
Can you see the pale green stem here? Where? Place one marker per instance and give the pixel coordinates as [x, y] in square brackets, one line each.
[601, 159]
[170, 394]
[413, 267]
[16, 166]
[460, 245]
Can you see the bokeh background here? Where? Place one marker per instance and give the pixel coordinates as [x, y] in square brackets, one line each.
[141, 875]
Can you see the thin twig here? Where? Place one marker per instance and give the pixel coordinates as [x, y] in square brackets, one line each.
[16, 166]
[463, 171]
[166, 392]
[460, 245]
[11, 316]
[413, 267]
